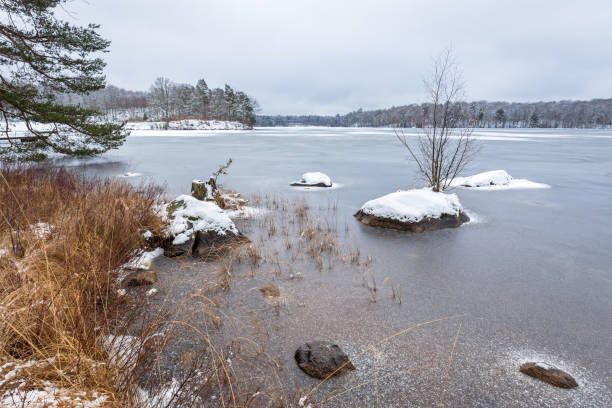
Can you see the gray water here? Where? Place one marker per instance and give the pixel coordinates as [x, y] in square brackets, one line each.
[530, 277]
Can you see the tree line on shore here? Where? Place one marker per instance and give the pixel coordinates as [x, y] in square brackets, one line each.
[167, 100]
[596, 113]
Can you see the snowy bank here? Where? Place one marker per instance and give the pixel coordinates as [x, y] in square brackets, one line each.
[413, 210]
[313, 179]
[495, 180]
[187, 124]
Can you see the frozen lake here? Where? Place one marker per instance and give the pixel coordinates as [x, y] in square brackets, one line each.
[532, 276]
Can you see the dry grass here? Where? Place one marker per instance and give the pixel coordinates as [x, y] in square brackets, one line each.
[65, 238]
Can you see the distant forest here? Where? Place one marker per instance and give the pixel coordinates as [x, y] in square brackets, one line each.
[596, 113]
[167, 100]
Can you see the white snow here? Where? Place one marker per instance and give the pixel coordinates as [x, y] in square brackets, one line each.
[18, 392]
[130, 174]
[247, 212]
[143, 128]
[192, 215]
[143, 260]
[315, 177]
[42, 230]
[495, 180]
[413, 205]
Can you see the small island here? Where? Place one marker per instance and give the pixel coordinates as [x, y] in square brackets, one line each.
[413, 210]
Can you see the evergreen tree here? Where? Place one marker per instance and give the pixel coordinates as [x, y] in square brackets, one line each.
[534, 120]
[202, 97]
[500, 117]
[42, 57]
[230, 102]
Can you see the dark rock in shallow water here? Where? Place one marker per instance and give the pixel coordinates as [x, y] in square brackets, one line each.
[270, 291]
[140, 278]
[298, 184]
[428, 224]
[320, 359]
[211, 244]
[549, 374]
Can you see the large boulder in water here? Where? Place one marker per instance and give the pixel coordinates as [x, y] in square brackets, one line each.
[321, 359]
[549, 374]
[313, 179]
[413, 210]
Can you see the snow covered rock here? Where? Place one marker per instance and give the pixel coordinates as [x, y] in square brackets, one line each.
[413, 210]
[313, 179]
[495, 180]
[200, 226]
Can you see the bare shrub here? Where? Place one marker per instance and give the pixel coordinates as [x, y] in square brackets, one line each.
[446, 144]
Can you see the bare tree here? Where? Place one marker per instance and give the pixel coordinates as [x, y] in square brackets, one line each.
[446, 145]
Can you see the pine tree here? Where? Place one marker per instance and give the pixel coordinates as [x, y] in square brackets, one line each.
[202, 95]
[42, 58]
[534, 120]
[500, 117]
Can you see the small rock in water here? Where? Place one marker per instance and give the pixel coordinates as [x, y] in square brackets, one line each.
[270, 291]
[320, 359]
[549, 374]
[313, 179]
[140, 278]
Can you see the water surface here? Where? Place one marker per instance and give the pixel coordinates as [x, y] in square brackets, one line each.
[531, 277]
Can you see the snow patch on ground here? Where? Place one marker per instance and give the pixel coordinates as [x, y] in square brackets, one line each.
[41, 230]
[18, 391]
[187, 215]
[494, 181]
[144, 259]
[413, 205]
[187, 124]
[315, 177]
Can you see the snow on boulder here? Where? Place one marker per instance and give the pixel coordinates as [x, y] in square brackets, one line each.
[313, 179]
[495, 180]
[199, 225]
[413, 210]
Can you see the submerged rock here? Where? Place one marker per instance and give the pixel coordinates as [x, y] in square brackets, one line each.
[270, 291]
[210, 244]
[413, 210]
[313, 179]
[549, 374]
[140, 278]
[320, 359]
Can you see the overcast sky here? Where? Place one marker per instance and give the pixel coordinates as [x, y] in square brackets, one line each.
[334, 56]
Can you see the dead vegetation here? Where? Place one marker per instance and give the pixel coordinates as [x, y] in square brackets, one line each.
[65, 329]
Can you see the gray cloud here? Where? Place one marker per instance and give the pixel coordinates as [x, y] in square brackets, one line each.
[327, 57]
